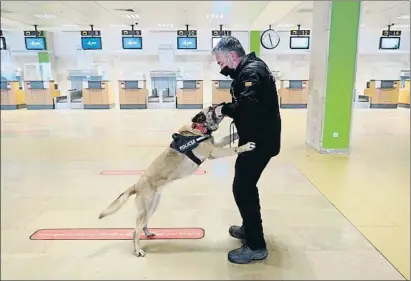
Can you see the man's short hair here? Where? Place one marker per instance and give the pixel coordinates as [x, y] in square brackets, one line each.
[229, 44]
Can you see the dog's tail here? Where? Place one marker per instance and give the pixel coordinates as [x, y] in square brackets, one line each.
[119, 202]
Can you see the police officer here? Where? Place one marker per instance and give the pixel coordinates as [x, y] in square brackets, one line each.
[255, 113]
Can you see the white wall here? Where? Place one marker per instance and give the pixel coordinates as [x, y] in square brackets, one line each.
[198, 64]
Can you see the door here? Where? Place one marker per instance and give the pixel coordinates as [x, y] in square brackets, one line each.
[163, 91]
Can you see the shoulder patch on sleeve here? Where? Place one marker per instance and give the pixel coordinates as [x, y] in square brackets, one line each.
[248, 83]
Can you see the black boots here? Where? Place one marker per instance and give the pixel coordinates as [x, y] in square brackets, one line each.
[244, 254]
[237, 232]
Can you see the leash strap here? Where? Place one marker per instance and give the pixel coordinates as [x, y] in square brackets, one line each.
[232, 132]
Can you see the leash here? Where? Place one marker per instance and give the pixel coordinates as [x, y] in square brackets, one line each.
[232, 132]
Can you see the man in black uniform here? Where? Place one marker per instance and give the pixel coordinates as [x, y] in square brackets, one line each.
[255, 112]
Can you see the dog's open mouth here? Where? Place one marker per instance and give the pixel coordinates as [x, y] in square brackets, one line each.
[208, 120]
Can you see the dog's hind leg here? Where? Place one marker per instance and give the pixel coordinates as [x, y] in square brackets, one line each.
[142, 204]
[152, 211]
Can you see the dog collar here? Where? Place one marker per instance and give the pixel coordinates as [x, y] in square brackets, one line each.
[201, 128]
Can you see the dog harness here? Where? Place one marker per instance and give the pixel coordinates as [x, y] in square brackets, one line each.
[186, 144]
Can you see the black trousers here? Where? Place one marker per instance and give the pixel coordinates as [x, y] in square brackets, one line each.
[248, 169]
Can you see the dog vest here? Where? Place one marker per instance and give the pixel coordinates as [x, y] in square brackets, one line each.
[185, 145]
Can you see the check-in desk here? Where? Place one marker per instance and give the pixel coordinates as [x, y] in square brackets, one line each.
[40, 94]
[221, 91]
[404, 94]
[190, 94]
[133, 94]
[12, 97]
[98, 95]
[73, 100]
[293, 93]
[383, 93]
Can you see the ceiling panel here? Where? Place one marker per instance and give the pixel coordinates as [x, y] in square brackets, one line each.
[374, 14]
[273, 12]
[381, 13]
[236, 15]
[103, 14]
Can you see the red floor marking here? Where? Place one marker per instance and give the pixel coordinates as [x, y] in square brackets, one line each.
[136, 172]
[115, 234]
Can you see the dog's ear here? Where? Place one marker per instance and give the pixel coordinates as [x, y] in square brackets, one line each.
[199, 118]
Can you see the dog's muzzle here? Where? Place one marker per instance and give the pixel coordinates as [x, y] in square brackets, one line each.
[216, 120]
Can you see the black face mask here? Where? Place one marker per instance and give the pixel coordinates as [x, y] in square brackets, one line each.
[226, 71]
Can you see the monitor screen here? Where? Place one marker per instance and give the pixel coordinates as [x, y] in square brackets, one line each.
[187, 43]
[91, 43]
[35, 43]
[299, 42]
[389, 43]
[295, 84]
[387, 84]
[132, 43]
[215, 41]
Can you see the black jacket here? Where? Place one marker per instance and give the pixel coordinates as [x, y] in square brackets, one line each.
[255, 107]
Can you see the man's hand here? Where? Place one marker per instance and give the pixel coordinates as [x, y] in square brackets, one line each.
[217, 111]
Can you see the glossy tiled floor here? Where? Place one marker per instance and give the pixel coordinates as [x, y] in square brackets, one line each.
[50, 165]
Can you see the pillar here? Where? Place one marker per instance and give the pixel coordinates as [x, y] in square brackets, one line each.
[332, 75]
[46, 60]
[255, 42]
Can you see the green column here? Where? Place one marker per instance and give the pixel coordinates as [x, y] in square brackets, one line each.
[255, 42]
[332, 75]
[44, 62]
[43, 57]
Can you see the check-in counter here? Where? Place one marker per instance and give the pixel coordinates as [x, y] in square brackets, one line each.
[190, 94]
[293, 93]
[98, 95]
[40, 94]
[383, 93]
[221, 91]
[12, 97]
[133, 94]
[404, 94]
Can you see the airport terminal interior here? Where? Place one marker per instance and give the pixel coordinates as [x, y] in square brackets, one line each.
[92, 92]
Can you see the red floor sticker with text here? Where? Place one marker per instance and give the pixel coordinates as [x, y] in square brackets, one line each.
[115, 234]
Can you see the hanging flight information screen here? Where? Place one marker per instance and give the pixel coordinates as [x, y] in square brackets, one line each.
[389, 43]
[35, 43]
[132, 43]
[299, 42]
[215, 41]
[91, 43]
[187, 43]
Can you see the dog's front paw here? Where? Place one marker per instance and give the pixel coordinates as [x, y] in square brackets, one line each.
[140, 253]
[150, 234]
[247, 147]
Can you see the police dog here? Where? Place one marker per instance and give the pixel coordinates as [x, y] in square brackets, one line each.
[175, 162]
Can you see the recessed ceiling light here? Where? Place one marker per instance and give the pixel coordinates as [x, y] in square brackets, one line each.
[404, 17]
[69, 25]
[45, 16]
[131, 16]
[401, 26]
[165, 25]
[214, 16]
[115, 25]
[285, 25]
